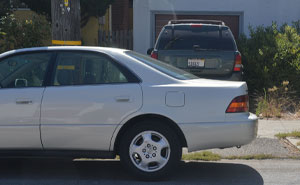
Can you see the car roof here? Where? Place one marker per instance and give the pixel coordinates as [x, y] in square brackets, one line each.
[196, 21]
[62, 48]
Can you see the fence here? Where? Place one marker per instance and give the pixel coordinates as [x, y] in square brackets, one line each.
[118, 39]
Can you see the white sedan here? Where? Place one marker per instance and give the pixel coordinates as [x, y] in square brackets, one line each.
[103, 102]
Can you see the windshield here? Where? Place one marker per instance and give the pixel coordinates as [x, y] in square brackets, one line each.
[162, 67]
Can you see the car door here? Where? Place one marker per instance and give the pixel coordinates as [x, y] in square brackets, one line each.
[91, 94]
[21, 78]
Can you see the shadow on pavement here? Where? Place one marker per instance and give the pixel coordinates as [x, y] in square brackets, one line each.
[62, 171]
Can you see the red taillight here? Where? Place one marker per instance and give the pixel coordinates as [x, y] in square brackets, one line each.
[238, 63]
[239, 104]
[196, 25]
[154, 55]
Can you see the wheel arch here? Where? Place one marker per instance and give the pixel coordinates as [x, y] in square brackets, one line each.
[139, 118]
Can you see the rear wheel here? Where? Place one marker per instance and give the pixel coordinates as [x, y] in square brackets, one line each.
[150, 150]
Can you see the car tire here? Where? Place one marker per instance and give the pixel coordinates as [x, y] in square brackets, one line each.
[150, 150]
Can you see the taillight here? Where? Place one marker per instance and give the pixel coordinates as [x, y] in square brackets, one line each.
[154, 55]
[239, 104]
[238, 63]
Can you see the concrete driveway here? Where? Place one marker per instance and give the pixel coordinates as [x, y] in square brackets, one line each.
[64, 172]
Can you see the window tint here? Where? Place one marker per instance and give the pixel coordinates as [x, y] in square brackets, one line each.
[86, 68]
[27, 70]
[186, 37]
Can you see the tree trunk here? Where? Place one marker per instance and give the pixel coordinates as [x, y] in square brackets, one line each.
[65, 22]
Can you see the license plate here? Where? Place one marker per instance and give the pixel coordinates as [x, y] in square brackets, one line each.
[195, 62]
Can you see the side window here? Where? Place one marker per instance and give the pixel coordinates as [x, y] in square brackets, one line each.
[27, 70]
[79, 68]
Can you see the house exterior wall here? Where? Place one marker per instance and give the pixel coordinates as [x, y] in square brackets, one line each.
[251, 12]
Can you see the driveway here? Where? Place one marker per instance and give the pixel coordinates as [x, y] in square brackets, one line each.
[64, 172]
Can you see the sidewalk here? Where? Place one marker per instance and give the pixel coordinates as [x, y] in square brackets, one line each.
[269, 128]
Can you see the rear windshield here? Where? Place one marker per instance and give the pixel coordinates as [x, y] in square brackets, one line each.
[162, 67]
[187, 37]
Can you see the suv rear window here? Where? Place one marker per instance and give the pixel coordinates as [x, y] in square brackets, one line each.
[187, 37]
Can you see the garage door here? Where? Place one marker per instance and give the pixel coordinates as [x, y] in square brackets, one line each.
[231, 21]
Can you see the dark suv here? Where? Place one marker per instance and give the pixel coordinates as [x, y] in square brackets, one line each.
[204, 48]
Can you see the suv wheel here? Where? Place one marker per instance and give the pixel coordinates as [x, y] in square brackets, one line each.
[150, 150]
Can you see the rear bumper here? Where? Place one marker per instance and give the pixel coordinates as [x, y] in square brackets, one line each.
[226, 134]
[235, 76]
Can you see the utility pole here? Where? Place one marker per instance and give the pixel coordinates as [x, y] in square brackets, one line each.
[65, 22]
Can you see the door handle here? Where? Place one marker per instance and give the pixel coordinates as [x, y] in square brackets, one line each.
[23, 101]
[122, 99]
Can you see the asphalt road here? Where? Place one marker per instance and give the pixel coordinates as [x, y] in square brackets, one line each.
[64, 172]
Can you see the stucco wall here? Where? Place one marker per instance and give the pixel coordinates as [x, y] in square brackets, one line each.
[253, 12]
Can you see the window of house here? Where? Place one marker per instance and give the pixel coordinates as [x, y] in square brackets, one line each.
[86, 68]
[27, 70]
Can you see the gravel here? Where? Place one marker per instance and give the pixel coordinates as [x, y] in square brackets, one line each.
[265, 146]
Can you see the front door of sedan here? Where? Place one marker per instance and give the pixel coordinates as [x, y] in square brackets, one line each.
[90, 96]
[21, 79]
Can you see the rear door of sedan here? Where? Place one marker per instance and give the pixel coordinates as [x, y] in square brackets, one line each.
[22, 78]
[90, 95]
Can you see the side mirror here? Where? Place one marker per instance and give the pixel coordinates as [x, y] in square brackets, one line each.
[149, 51]
[21, 83]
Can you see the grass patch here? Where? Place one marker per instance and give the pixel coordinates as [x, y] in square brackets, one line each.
[298, 144]
[202, 156]
[251, 157]
[295, 134]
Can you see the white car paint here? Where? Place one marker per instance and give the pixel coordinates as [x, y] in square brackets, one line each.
[85, 117]
[20, 118]
[88, 117]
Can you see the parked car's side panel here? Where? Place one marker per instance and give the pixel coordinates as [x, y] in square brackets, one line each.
[89, 97]
[21, 80]
[19, 118]
[77, 118]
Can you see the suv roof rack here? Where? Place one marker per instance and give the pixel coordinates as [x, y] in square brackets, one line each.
[186, 21]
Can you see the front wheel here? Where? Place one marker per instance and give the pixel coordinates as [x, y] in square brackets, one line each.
[150, 150]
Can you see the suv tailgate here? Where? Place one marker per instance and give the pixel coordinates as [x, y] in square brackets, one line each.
[203, 50]
[200, 62]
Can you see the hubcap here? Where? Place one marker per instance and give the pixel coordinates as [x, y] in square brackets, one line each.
[149, 151]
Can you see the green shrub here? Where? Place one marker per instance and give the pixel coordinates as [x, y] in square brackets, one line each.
[15, 34]
[270, 56]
